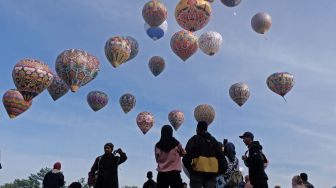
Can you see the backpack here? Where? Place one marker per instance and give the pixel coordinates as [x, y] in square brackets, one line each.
[235, 178]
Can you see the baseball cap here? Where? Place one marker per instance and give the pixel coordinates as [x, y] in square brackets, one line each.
[247, 134]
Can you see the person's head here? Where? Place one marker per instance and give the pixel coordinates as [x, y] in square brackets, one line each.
[304, 176]
[57, 166]
[166, 132]
[185, 185]
[75, 185]
[202, 127]
[230, 151]
[149, 175]
[277, 186]
[296, 180]
[247, 178]
[247, 138]
[108, 148]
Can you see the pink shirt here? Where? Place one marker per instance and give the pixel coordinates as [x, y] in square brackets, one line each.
[169, 161]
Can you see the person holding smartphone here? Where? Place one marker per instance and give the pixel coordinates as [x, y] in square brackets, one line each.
[104, 172]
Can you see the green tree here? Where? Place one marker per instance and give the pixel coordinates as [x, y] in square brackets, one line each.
[83, 182]
[18, 183]
[33, 181]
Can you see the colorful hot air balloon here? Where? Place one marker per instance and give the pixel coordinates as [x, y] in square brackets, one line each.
[192, 15]
[154, 13]
[204, 112]
[176, 118]
[57, 88]
[97, 100]
[117, 51]
[231, 3]
[210, 42]
[239, 93]
[184, 44]
[14, 103]
[281, 83]
[261, 22]
[134, 46]
[156, 65]
[127, 102]
[156, 33]
[31, 77]
[145, 121]
[76, 68]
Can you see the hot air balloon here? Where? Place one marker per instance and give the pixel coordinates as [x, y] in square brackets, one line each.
[154, 13]
[156, 33]
[156, 65]
[184, 44]
[97, 100]
[14, 103]
[145, 121]
[176, 118]
[57, 88]
[210, 42]
[117, 51]
[192, 15]
[127, 102]
[76, 68]
[239, 93]
[204, 112]
[134, 46]
[231, 3]
[261, 22]
[281, 83]
[31, 77]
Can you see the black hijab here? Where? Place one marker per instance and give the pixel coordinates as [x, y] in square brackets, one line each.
[229, 151]
[167, 142]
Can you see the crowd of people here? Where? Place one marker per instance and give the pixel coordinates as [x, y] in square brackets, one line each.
[207, 162]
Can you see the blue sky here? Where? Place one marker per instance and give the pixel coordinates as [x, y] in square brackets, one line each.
[298, 136]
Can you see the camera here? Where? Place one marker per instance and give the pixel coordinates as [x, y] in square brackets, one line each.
[117, 151]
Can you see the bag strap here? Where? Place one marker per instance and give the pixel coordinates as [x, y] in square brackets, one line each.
[99, 162]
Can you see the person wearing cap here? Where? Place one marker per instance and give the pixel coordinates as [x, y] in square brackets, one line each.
[104, 172]
[254, 159]
[54, 178]
[204, 159]
[150, 183]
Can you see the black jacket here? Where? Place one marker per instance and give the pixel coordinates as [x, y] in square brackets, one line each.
[150, 184]
[107, 170]
[53, 179]
[255, 163]
[204, 155]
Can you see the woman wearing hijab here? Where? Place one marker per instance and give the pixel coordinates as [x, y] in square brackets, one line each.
[233, 163]
[168, 153]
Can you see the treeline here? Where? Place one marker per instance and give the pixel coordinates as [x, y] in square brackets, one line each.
[35, 181]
